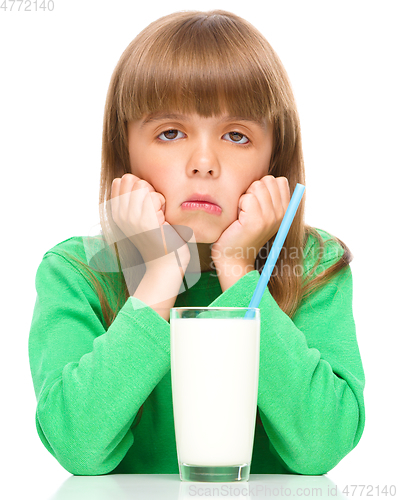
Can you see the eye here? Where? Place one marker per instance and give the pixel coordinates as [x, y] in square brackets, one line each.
[235, 138]
[169, 134]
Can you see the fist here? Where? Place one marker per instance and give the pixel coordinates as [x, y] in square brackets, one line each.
[139, 211]
[260, 212]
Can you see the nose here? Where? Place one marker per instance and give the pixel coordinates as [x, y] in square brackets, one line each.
[203, 161]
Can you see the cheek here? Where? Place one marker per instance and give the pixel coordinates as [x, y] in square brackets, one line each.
[141, 167]
[161, 181]
[141, 164]
[135, 166]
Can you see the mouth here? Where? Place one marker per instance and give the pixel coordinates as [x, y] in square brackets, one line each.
[202, 202]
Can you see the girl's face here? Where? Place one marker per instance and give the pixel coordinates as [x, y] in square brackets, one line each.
[180, 155]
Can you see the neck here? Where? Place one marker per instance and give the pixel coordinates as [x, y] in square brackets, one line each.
[204, 251]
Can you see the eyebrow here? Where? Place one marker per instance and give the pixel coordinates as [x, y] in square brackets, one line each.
[174, 116]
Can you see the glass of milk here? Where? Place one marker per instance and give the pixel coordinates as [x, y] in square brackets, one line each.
[214, 375]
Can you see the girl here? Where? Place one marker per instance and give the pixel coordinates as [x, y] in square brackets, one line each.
[199, 104]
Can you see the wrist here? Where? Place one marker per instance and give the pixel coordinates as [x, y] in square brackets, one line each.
[234, 266]
[168, 262]
[229, 272]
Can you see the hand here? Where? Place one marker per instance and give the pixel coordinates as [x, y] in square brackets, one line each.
[262, 208]
[138, 210]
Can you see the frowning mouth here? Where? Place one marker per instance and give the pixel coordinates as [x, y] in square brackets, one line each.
[210, 208]
[198, 197]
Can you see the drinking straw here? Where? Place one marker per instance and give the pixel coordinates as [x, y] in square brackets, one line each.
[276, 249]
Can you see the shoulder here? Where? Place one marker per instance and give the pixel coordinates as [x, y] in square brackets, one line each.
[92, 251]
[323, 246]
[71, 246]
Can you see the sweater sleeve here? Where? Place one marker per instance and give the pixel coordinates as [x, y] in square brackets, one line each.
[311, 380]
[90, 383]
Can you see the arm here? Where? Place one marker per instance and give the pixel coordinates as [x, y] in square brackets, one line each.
[159, 282]
[90, 383]
[230, 272]
[311, 379]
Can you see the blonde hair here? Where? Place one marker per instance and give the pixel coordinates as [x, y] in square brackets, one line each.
[209, 63]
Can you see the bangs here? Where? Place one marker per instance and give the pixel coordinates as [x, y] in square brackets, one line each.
[207, 65]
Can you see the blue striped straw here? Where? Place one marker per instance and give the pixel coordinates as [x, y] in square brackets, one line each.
[276, 249]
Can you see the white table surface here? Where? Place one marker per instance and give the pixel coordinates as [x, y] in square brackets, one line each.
[169, 487]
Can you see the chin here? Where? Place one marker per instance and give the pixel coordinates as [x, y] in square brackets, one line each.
[202, 232]
[207, 236]
[205, 240]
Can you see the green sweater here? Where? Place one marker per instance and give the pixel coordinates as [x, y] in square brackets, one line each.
[90, 381]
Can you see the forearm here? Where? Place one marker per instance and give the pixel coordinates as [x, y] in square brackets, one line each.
[90, 383]
[230, 272]
[104, 390]
[310, 378]
[160, 285]
[309, 408]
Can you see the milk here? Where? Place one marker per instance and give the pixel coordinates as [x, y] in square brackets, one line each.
[214, 372]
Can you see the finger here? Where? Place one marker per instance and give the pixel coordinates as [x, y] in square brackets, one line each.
[272, 185]
[153, 203]
[249, 205]
[284, 189]
[127, 180]
[261, 191]
[133, 193]
[162, 201]
[115, 198]
[126, 186]
[161, 211]
[143, 183]
[150, 207]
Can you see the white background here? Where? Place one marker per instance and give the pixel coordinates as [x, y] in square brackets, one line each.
[55, 70]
